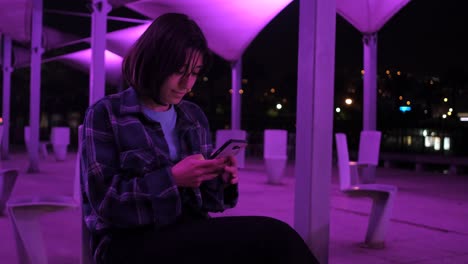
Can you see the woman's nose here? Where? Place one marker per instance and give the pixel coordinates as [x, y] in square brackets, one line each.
[186, 82]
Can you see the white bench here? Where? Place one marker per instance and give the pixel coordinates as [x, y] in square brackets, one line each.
[382, 196]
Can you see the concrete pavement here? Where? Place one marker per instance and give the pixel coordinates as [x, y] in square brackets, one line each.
[429, 223]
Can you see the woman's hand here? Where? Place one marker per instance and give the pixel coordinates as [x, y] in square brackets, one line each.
[194, 169]
[230, 171]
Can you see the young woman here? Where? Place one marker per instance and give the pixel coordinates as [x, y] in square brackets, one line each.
[147, 184]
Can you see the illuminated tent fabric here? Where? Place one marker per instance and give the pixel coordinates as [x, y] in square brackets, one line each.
[15, 19]
[369, 16]
[81, 60]
[229, 26]
[120, 41]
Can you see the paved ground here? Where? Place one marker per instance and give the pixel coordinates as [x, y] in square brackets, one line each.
[429, 224]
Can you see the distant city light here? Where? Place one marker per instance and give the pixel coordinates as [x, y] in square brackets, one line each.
[425, 132]
[446, 143]
[205, 79]
[338, 109]
[400, 97]
[409, 140]
[245, 81]
[436, 143]
[444, 116]
[425, 111]
[363, 72]
[428, 142]
[464, 119]
[279, 106]
[191, 94]
[241, 91]
[445, 99]
[431, 82]
[463, 115]
[450, 109]
[408, 102]
[348, 101]
[449, 113]
[284, 100]
[398, 73]
[387, 72]
[272, 90]
[405, 108]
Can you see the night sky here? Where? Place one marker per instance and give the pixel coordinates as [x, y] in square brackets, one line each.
[427, 37]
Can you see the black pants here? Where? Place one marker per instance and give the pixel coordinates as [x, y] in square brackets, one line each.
[216, 240]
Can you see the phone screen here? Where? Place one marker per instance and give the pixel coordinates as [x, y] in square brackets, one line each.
[230, 148]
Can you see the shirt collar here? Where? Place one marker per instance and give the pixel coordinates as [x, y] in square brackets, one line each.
[130, 104]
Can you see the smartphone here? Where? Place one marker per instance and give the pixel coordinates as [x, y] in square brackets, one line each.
[229, 148]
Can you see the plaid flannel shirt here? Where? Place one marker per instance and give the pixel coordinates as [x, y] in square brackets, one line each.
[126, 169]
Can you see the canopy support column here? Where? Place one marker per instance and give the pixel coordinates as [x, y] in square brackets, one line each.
[35, 94]
[314, 123]
[7, 70]
[97, 76]
[370, 82]
[369, 110]
[236, 105]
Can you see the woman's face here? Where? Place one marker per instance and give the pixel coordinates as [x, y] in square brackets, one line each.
[180, 83]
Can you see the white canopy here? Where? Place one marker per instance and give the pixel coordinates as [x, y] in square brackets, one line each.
[15, 19]
[81, 60]
[230, 26]
[368, 16]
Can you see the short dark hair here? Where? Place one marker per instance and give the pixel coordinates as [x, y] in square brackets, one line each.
[162, 51]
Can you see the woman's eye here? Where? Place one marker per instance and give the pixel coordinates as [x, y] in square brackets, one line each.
[182, 71]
